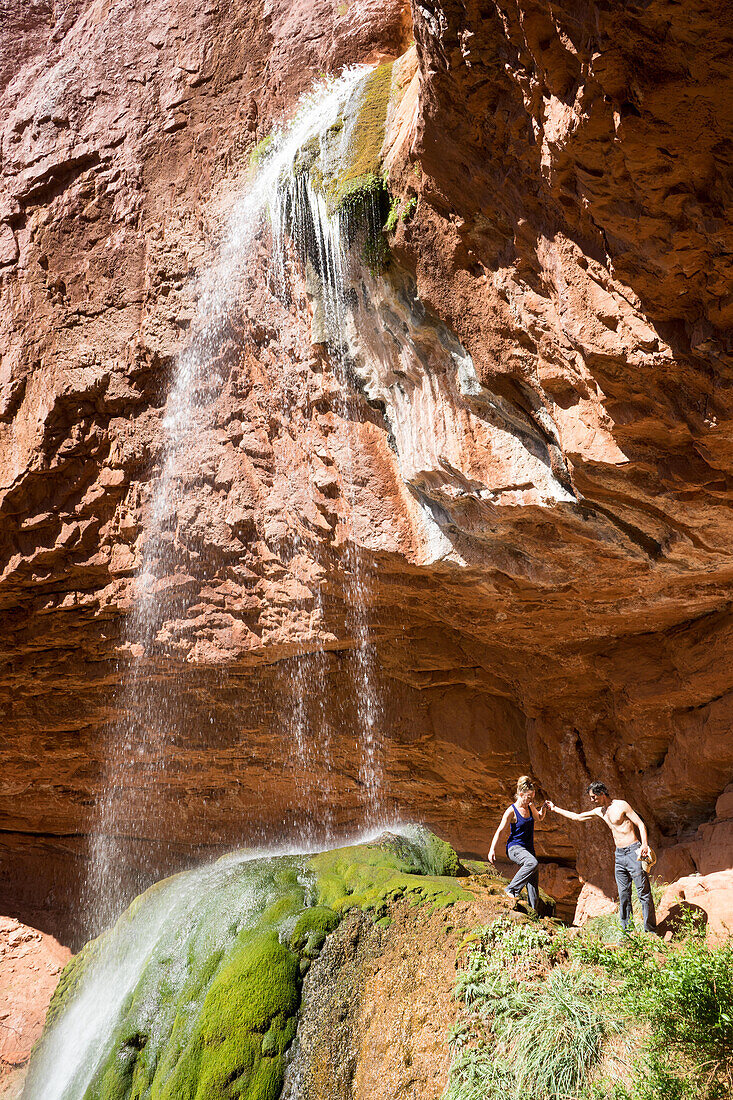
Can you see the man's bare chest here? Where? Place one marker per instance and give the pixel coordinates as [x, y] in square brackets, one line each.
[615, 817]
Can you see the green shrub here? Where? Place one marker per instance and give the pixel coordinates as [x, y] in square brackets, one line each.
[683, 995]
[527, 1033]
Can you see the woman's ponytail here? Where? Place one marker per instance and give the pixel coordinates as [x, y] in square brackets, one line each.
[525, 783]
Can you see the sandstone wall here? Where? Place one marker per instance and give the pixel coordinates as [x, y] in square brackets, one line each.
[542, 525]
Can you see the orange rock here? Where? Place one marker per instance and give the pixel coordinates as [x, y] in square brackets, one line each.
[711, 893]
[30, 966]
[524, 487]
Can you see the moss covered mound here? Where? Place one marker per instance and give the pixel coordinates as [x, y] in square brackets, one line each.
[207, 969]
[369, 877]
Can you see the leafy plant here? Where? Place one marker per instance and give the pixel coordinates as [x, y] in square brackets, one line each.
[394, 209]
[683, 994]
[399, 210]
[527, 1033]
[409, 209]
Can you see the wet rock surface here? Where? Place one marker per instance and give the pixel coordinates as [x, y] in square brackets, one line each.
[533, 466]
[324, 1056]
[378, 1003]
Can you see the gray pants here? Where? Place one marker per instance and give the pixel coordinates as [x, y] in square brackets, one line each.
[628, 870]
[528, 874]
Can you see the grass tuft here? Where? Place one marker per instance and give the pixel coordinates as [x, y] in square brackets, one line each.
[531, 1028]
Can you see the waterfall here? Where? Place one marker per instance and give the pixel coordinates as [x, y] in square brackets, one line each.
[157, 932]
[195, 991]
[282, 195]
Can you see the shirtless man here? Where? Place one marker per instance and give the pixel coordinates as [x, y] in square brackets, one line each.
[623, 823]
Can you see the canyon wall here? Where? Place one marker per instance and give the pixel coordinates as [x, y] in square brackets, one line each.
[531, 467]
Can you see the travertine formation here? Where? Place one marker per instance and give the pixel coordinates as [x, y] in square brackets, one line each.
[529, 472]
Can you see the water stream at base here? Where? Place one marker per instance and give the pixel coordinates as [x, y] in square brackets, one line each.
[140, 745]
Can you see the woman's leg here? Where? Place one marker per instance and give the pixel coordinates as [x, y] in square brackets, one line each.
[528, 873]
[533, 889]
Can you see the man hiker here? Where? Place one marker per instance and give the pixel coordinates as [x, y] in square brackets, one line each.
[623, 823]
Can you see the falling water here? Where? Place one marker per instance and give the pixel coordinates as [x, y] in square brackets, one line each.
[143, 990]
[139, 745]
[324, 242]
[163, 921]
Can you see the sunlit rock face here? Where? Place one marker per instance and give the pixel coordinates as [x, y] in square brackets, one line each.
[526, 464]
[30, 965]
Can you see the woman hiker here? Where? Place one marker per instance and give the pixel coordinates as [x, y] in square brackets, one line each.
[520, 845]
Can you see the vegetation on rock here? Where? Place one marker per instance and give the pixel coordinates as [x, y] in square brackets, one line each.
[214, 1005]
[343, 164]
[548, 1015]
[369, 876]
[259, 152]
[360, 176]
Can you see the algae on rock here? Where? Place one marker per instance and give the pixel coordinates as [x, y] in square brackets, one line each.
[355, 174]
[207, 969]
[335, 187]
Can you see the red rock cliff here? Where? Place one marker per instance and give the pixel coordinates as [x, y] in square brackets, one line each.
[540, 512]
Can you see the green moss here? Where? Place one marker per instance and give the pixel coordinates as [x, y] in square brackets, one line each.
[370, 876]
[68, 983]
[360, 176]
[311, 929]
[343, 164]
[260, 151]
[307, 156]
[213, 1004]
[243, 1027]
[423, 853]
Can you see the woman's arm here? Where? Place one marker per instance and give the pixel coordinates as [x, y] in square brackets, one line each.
[540, 810]
[497, 834]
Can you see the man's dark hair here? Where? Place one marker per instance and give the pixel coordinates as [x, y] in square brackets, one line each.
[599, 788]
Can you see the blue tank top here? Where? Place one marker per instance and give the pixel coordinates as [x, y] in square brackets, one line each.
[521, 831]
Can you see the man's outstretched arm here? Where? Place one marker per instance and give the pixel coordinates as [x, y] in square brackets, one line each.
[585, 816]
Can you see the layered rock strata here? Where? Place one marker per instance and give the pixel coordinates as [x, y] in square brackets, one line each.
[528, 469]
